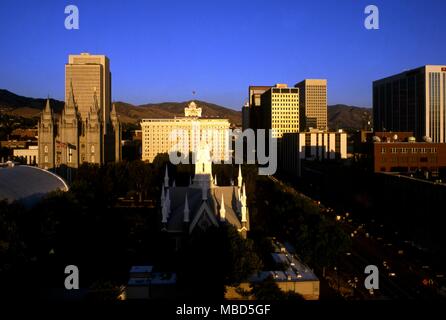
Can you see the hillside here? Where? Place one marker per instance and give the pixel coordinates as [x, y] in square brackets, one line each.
[342, 116]
[339, 116]
[24, 106]
[131, 114]
[13, 104]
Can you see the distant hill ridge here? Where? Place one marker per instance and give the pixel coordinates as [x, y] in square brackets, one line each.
[339, 116]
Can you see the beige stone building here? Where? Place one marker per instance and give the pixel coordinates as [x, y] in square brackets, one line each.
[280, 110]
[184, 134]
[29, 155]
[313, 104]
[86, 130]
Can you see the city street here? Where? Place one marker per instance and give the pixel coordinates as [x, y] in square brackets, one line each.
[404, 269]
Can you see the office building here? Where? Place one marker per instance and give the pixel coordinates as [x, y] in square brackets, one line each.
[251, 110]
[183, 134]
[413, 101]
[88, 75]
[279, 110]
[313, 104]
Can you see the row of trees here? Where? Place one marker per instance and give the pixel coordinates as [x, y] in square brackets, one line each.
[142, 181]
[294, 218]
[83, 227]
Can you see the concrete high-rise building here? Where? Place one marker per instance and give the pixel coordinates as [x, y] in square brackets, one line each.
[87, 75]
[251, 112]
[279, 110]
[183, 134]
[86, 130]
[313, 104]
[414, 101]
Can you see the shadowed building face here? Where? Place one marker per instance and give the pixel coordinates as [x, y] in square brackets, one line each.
[86, 74]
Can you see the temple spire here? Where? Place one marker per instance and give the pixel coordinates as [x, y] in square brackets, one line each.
[71, 101]
[47, 106]
[167, 205]
[164, 214]
[114, 113]
[243, 204]
[95, 102]
[166, 178]
[239, 178]
[222, 209]
[163, 196]
[186, 210]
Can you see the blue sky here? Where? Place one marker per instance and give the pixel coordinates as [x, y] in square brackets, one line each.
[164, 50]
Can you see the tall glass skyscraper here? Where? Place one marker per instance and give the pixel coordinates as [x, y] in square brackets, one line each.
[414, 101]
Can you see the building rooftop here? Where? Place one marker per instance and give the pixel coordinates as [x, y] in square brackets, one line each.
[141, 269]
[163, 278]
[138, 282]
[27, 184]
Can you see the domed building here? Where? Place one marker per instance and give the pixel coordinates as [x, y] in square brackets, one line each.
[27, 184]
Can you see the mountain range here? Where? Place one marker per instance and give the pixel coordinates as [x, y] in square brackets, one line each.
[339, 116]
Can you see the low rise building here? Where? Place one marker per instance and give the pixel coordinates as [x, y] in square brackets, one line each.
[146, 284]
[400, 152]
[14, 144]
[291, 275]
[313, 145]
[29, 155]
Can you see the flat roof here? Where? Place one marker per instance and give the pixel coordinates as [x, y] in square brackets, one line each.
[141, 269]
[156, 278]
[401, 73]
[159, 278]
[134, 282]
[182, 119]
